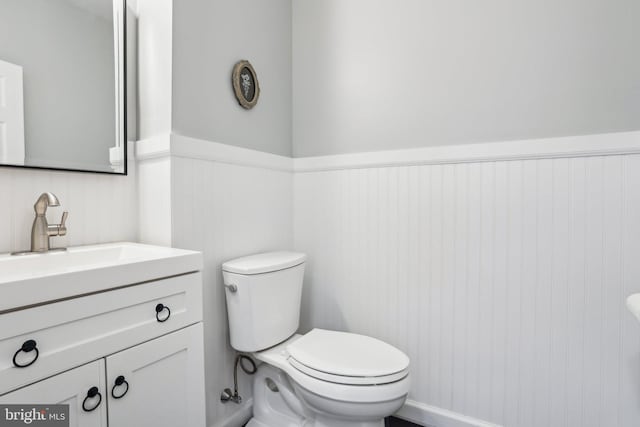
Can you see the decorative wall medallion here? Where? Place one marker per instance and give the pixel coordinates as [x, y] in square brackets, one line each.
[245, 84]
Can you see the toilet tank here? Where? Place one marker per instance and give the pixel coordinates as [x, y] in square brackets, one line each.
[263, 298]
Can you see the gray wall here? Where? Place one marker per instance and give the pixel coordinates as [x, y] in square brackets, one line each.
[380, 74]
[209, 37]
[69, 119]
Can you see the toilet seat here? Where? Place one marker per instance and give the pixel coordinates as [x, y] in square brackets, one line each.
[347, 358]
[346, 380]
[279, 357]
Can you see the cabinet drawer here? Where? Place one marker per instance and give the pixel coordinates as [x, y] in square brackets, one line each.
[69, 333]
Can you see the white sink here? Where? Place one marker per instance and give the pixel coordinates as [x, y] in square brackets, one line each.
[38, 278]
[633, 304]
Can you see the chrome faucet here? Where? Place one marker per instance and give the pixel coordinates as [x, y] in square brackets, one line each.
[42, 231]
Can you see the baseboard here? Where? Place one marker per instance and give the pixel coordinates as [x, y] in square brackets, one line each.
[238, 418]
[426, 415]
[432, 416]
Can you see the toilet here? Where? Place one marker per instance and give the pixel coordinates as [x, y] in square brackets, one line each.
[320, 379]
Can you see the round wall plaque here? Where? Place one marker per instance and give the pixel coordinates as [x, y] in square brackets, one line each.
[245, 84]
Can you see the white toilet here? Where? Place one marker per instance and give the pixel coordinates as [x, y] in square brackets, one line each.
[320, 379]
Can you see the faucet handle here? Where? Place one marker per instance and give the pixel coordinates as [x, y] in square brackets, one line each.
[62, 228]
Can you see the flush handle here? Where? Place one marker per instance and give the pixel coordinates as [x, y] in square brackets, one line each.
[232, 288]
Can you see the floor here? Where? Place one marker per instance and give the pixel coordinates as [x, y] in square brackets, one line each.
[397, 422]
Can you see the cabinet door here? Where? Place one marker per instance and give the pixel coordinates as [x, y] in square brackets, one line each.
[159, 383]
[70, 388]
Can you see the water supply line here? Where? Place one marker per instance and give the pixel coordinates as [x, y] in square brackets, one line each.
[234, 397]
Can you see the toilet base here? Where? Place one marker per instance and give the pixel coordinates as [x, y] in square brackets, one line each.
[318, 423]
[283, 408]
[255, 423]
[339, 423]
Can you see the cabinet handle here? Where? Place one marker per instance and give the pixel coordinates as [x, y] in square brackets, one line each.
[159, 309]
[27, 347]
[93, 392]
[119, 381]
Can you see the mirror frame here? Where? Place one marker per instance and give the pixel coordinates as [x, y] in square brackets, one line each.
[120, 100]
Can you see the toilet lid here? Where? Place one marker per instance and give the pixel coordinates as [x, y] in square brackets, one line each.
[331, 355]
[264, 263]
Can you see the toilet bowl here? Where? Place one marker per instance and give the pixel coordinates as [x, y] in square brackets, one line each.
[330, 398]
[320, 379]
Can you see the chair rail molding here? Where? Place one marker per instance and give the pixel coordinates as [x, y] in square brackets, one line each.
[608, 144]
[174, 145]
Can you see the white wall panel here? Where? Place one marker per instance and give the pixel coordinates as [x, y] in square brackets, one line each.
[504, 281]
[226, 211]
[102, 208]
[154, 201]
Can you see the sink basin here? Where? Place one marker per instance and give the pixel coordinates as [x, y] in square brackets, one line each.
[32, 279]
[633, 304]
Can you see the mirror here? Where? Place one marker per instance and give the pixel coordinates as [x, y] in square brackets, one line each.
[62, 85]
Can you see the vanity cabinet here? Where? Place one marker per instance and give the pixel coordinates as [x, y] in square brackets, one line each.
[140, 346]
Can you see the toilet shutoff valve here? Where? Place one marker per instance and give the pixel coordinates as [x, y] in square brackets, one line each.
[229, 396]
[233, 396]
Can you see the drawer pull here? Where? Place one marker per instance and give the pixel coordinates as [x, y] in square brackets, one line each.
[159, 309]
[93, 392]
[27, 347]
[119, 381]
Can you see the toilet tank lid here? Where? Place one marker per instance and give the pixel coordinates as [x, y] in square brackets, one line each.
[264, 263]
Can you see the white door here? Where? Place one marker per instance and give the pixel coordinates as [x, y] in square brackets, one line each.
[159, 383]
[72, 388]
[11, 114]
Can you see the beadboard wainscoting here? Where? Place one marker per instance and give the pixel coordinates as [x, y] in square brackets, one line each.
[226, 202]
[504, 280]
[102, 208]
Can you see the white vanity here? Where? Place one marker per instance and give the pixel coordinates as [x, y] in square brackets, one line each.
[113, 330]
